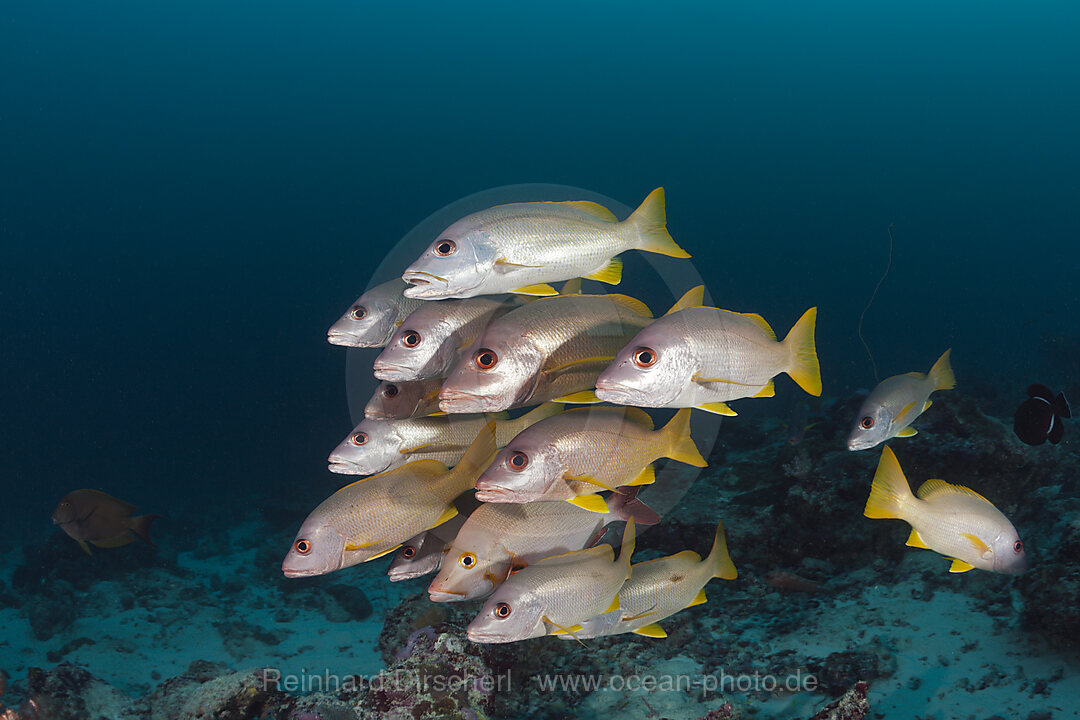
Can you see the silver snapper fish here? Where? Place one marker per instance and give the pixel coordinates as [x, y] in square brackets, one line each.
[373, 318]
[375, 446]
[523, 246]
[372, 517]
[577, 453]
[704, 357]
[555, 594]
[951, 520]
[552, 348]
[424, 553]
[432, 338]
[499, 537]
[402, 400]
[658, 589]
[896, 402]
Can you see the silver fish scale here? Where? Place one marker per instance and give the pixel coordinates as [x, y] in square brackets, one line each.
[525, 529]
[390, 507]
[943, 520]
[605, 445]
[573, 327]
[553, 235]
[575, 590]
[663, 587]
[732, 347]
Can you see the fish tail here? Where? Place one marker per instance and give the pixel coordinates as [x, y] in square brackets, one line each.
[479, 455]
[890, 493]
[625, 505]
[650, 223]
[141, 526]
[718, 559]
[941, 375]
[680, 446]
[528, 419]
[629, 537]
[803, 366]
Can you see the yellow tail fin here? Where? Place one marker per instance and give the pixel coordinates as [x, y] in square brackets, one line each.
[941, 375]
[477, 457]
[506, 430]
[890, 492]
[680, 446]
[693, 297]
[628, 540]
[804, 368]
[650, 223]
[718, 559]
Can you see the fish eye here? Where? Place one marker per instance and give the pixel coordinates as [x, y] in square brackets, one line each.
[1018, 546]
[302, 546]
[390, 390]
[485, 359]
[359, 312]
[467, 561]
[445, 247]
[408, 552]
[410, 339]
[518, 461]
[359, 438]
[502, 611]
[644, 357]
[867, 422]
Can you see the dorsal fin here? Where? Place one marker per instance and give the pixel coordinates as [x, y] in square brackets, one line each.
[932, 488]
[693, 297]
[632, 304]
[587, 206]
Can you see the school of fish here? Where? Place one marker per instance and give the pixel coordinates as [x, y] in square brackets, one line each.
[473, 470]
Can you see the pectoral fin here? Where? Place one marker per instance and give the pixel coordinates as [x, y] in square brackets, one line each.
[384, 553]
[585, 397]
[959, 566]
[907, 432]
[915, 540]
[587, 479]
[980, 547]
[541, 289]
[699, 599]
[592, 503]
[718, 408]
[653, 631]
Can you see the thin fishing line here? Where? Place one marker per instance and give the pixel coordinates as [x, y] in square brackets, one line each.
[874, 295]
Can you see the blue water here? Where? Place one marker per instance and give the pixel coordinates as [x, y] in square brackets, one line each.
[190, 193]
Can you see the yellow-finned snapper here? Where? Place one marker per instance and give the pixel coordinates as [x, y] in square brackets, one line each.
[432, 338]
[401, 400]
[523, 246]
[704, 357]
[424, 553]
[555, 594]
[372, 517]
[894, 404]
[375, 446]
[951, 520]
[373, 318]
[660, 588]
[500, 537]
[578, 453]
[549, 349]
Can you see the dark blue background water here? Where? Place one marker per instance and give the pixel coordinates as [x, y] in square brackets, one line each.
[191, 193]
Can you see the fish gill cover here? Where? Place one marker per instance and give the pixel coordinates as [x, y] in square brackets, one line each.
[191, 194]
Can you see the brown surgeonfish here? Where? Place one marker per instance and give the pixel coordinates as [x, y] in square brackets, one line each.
[91, 516]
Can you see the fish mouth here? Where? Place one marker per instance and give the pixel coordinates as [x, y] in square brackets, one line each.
[478, 636]
[491, 493]
[458, 401]
[345, 339]
[299, 573]
[344, 467]
[615, 393]
[392, 372]
[445, 596]
[425, 285]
